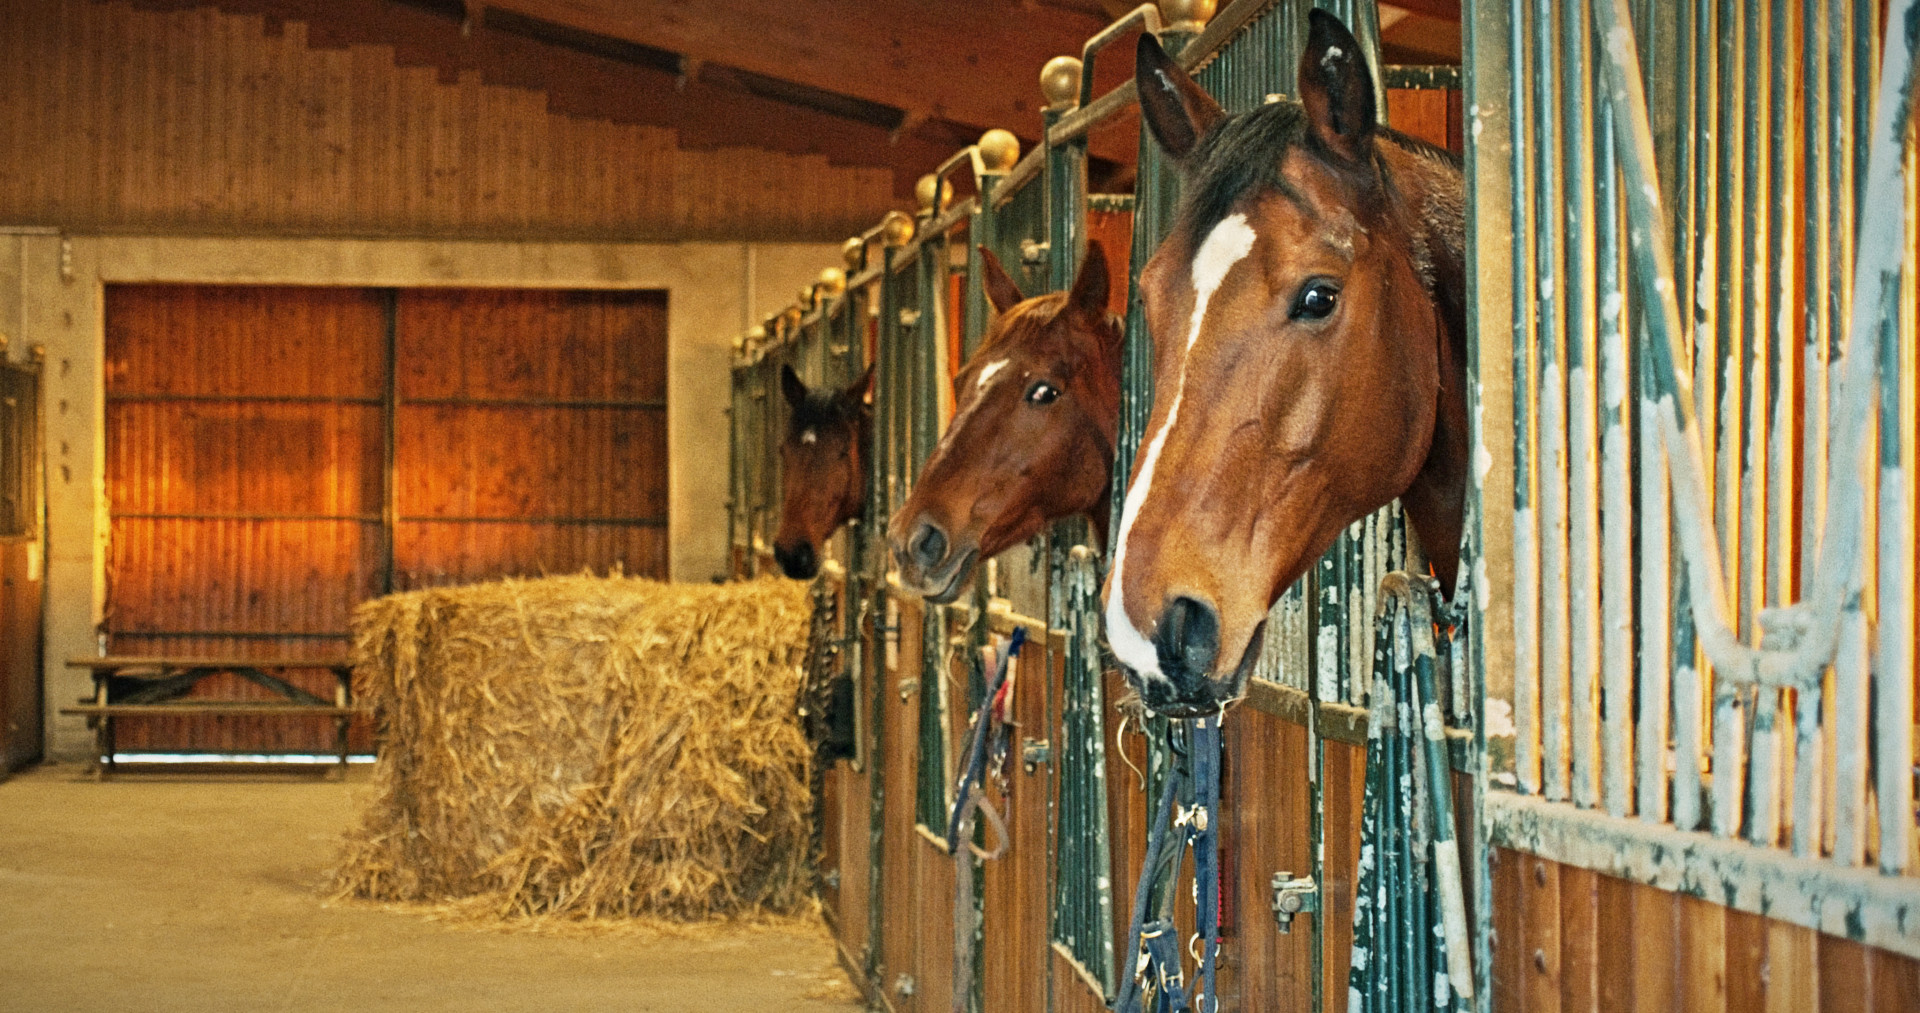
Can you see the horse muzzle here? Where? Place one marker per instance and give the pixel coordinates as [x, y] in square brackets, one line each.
[1186, 643]
[931, 566]
[797, 560]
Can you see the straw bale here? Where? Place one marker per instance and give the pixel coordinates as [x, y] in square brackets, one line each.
[585, 747]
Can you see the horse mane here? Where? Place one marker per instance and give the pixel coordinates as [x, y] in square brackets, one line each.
[1239, 154]
[1245, 151]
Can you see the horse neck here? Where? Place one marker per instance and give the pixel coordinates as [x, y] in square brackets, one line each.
[1435, 502]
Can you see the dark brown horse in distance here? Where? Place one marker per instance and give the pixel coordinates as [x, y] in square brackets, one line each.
[1309, 327]
[1032, 436]
[822, 468]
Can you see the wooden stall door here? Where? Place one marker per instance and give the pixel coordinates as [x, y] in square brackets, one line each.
[530, 435]
[244, 483]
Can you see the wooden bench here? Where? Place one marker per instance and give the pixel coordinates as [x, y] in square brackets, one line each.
[126, 687]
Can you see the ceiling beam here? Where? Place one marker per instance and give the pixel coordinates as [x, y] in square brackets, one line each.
[976, 64]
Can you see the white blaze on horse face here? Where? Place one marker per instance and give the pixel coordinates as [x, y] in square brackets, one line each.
[1227, 245]
[987, 373]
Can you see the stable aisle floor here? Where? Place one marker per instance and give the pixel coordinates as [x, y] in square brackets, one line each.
[177, 892]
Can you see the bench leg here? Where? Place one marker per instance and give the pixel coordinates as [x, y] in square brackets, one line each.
[103, 747]
[340, 740]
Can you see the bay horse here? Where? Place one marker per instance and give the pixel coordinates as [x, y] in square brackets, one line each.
[1036, 411]
[1308, 313]
[822, 468]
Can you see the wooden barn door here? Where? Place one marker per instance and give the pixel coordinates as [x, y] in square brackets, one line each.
[244, 483]
[531, 434]
[277, 455]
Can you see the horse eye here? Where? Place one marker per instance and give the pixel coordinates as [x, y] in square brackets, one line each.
[1042, 392]
[1315, 302]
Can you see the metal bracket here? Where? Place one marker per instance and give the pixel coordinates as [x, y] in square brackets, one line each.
[1293, 897]
[831, 877]
[1033, 253]
[907, 688]
[1034, 752]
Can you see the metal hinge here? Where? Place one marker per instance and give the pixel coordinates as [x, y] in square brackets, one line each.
[1293, 896]
[1034, 752]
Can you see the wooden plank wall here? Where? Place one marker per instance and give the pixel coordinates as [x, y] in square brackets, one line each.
[200, 121]
[1567, 940]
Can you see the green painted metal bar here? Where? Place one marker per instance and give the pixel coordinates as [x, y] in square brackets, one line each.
[1576, 294]
[1827, 617]
[1555, 661]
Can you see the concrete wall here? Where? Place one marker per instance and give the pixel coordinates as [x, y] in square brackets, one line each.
[51, 296]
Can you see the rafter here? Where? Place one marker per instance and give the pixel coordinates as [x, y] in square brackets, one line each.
[976, 64]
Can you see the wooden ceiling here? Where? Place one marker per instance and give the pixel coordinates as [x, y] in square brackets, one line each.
[899, 84]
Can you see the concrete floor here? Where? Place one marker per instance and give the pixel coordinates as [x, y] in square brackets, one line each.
[175, 892]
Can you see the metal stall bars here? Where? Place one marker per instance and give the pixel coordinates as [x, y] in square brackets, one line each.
[1714, 643]
[1082, 925]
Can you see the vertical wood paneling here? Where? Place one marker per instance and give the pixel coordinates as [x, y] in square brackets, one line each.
[1567, 939]
[1510, 960]
[1539, 904]
[1846, 976]
[203, 120]
[1268, 812]
[900, 918]
[1015, 901]
[492, 445]
[1579, 941]
[1344, 777]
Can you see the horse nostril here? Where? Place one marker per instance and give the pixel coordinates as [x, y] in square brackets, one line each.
[928, 546]
[1186, 641]
[797, 560]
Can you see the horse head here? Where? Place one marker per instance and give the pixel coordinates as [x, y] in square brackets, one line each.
[1308, 320]
[821, 464]
[1032, 432]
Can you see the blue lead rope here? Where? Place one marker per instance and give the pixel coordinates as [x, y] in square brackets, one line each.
[976, 765]
[1154, 944]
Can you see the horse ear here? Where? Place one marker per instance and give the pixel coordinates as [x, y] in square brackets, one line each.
[791, 386]
[1001, 291]
[859, 391]
[1090, 288]
[1336, 87]
[1177, 110]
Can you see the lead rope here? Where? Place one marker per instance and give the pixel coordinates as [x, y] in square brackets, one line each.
[966, 802]
[1153, 943]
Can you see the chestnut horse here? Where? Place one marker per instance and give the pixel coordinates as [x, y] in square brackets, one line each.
[1309, 321]
[822, 468]
[1036, 409]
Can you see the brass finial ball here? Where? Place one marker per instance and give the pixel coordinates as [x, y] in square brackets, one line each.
[1187, 15]
[896, 229]
[851, 252]
[833, 282]
[1060, 82]
[757, 333]
[923, 193]
[999, 150]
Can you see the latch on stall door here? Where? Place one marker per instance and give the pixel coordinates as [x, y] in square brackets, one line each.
[1293, 897]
